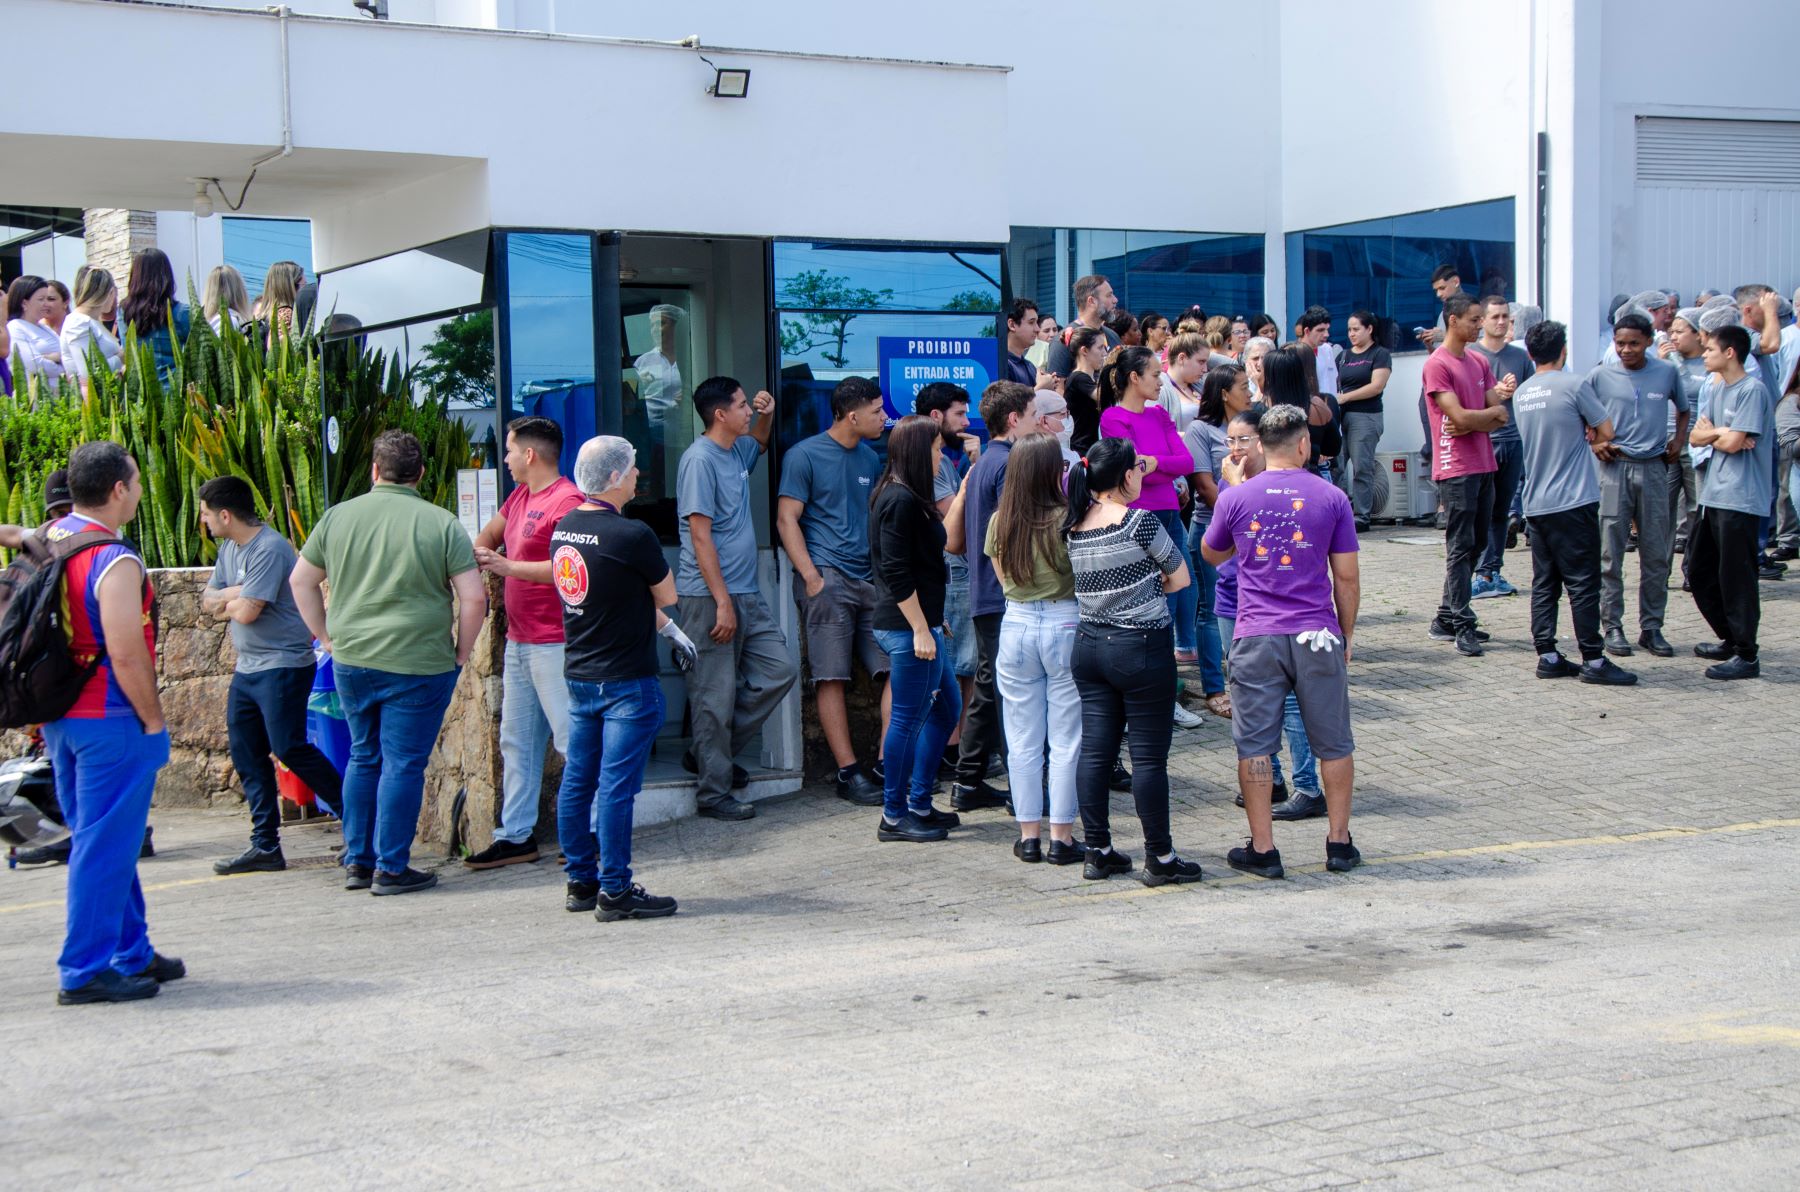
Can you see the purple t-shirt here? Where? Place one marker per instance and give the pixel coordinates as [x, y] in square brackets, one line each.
[1286, 524]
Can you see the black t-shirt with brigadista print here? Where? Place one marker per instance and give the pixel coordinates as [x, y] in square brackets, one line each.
[603, 566]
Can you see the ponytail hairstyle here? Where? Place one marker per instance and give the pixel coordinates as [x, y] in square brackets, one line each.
[1213, 390]
[1104, 468]
[1031, 508]
[1083, 338]
[1121, 366]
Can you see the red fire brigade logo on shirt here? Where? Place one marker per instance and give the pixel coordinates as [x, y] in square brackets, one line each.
[570, 573]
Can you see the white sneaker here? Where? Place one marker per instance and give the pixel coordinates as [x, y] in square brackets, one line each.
[1185, 718]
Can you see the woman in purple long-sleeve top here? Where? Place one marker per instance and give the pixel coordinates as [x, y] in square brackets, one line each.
[1129, 385]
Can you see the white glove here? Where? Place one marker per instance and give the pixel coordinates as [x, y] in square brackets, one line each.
[1318, 639]
[683, 647]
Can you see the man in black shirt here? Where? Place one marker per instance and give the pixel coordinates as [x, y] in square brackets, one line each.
[1021, 333]
[612, 577]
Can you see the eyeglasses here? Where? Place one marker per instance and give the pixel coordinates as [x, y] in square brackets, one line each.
[1240, 440]
[1142, 465]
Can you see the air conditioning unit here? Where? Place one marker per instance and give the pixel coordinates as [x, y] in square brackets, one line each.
[1394, 471]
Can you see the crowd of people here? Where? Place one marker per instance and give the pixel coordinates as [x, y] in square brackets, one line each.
[1153, 504]
[58, 331]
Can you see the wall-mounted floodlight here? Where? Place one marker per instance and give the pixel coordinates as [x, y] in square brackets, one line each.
[728, 82]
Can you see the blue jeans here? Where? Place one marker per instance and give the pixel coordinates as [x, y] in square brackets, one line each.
[1510, 457]
[611, 728]
[394, 721]
[105, 771]
[1306, 769]
[1183, 603]
[927, 704]
[1206, 625]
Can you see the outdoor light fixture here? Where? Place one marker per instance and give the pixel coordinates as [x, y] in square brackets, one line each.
[729, 83]
[203, 204]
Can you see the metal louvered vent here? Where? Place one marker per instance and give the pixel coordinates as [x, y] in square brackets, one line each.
[1680, 152]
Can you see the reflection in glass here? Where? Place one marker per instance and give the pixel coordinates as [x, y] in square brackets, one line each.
[251, 245]
[658, 373]
[1385, 265]
[450, 358]
[438, 279]
[1162, 271]
[847, 275]
[550, 317]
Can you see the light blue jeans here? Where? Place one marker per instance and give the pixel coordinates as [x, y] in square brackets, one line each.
[1306, 767]
[1183, 603]
[534, 711]
[1040, 703]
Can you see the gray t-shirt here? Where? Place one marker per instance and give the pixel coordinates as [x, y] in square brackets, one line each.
[1206, 443]
[715, 483]
[943, 488]
[1693, 380]
[1510, 359]
[1554, 411]
[835, 485]
[278, 639]
[1741, 480]
[1638, 402]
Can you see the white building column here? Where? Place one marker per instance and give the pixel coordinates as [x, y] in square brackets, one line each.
[1566, 77]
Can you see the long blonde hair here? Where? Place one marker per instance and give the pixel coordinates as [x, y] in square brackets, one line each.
[225, 292]
[92, 288]
[281, 287]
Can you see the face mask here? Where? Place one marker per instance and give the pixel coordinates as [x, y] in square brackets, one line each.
[1065, 434]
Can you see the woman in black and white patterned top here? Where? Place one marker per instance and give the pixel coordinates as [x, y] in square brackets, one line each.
[1125, 566]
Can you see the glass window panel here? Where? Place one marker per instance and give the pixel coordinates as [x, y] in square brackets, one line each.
[550, 317]
[1385, 265]
[1162, 271]
[252, 245]
[435, 280]
[658, 373]
[841, 275]
[444, 356]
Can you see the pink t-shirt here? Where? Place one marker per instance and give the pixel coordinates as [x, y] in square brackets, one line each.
[1470, 378]
[534, 610]
[1152, 433]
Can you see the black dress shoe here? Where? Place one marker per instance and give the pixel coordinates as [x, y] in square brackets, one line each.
[1653, 641]
[1278, 794]
[1342, 858]
[109, 986]
[1735, 668]
[1120, 782]
[1175, 871]
[49, 854]
[1304, 805]
[727, 808]
[358, 877]
[163, 969]
[1248, 860]
[907, 830]
[1714, 651]
[1101, 866]
[931, 817]
[252, 860]
[976, 797]
[859, 789]
[1029, 851]
[580, 896]
[1616, 645]
[1562, 668]
[1072, 853]
[740, 777]
[1608, 674]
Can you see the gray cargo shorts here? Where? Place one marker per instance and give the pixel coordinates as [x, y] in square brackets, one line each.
[1263, 670]
[837, 623]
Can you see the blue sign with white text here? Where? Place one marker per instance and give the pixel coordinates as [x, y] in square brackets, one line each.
[910, 362]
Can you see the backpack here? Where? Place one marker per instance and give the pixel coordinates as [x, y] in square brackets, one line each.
[40, 680]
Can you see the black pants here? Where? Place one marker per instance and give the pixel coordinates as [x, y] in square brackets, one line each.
[1468, 512]
[1565, 554]
[266, 712]
[1722, 560]
[1126, 677]
[983, 734]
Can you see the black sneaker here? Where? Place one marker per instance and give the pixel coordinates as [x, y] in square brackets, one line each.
[109, 986]
[148, 849]
[1304, 805]
[580, 896]
[1513, 527]
[163, 969]
[1278, 794]
[633, 904]
[727, 808]
[1785, 553]
[1468, 645]
[740, 777]
[502, 852]
[1362, 527]
[1653, 641]
[1735, 668]
[931, 817]
[1120, 782]
[1439, 631]
[1072, 853]
[1771, 573]
[907, 830]
[977, 797]
[877, 770]
[1607, 674]
[1101, 866]
[252, 860]
[859, 789]
[49, 854]
[1342, 858]
[358, 877]
[1029, 851]
[405, 882]
[1562, 668]
[1176, 871]
[1248, 860]
[1714, 651]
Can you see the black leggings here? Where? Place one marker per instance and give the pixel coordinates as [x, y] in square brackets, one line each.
[1126, 677]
